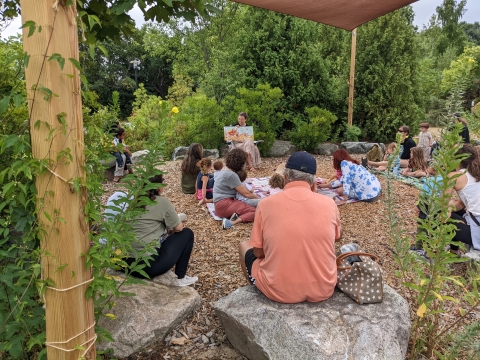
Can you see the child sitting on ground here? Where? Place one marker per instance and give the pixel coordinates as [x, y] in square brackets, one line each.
[217, 167]
[124, 153]
[382, 165]
[277, 183]
[205, 182]
[417, 166]
[242, 174]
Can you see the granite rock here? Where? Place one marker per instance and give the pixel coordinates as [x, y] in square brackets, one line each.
[281, 148]
[326, 149]
[180, 152]
[337, 328]
[156, 309]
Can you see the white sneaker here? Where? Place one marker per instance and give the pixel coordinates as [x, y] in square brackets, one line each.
[187, 280]
[182, 217]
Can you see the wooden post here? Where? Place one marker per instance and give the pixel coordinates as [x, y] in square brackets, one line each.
[54, 97]
[352, 76]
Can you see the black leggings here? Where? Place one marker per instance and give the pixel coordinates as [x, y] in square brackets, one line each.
[463, 233]
[175, 250]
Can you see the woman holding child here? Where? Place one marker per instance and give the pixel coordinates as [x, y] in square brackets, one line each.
[356, 182]
[227, 184]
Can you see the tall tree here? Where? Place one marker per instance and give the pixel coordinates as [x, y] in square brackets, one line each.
[286, 52]
[387, 89]
[449, 15]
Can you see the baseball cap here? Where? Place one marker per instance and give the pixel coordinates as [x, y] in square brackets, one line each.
[302, 161]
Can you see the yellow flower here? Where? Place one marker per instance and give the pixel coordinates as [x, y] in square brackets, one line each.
[175, 110]
[471, 60]
[160, 102]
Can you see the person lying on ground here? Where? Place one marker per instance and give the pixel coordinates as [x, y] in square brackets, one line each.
[356, 182]
[290, 256]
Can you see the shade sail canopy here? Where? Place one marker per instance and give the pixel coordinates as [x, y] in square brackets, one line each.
[344, 14]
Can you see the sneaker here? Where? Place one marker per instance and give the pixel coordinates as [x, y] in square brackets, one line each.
[187, 280]
[182, 217]
[421, 254]
[226, 224]
[234, 217]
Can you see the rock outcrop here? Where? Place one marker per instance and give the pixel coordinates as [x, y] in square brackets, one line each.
[156, 309]
[180, 152]
[281, 148]
[326, 149]
[337, 328]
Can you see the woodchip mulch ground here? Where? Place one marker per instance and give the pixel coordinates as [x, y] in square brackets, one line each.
[215, 260]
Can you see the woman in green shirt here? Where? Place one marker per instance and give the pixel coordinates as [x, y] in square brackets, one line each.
[162, 225]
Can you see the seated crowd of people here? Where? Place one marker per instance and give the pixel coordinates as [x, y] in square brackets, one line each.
[282, 269]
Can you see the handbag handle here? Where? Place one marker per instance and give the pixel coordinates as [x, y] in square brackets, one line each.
[341, 257]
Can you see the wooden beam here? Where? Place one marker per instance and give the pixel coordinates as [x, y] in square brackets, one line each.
[351, 81]
[56, 126]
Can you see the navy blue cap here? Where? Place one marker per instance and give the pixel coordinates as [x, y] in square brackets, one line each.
[302, 161]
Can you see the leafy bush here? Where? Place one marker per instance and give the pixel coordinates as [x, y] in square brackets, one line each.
[307, 135]
[352, 133]
[263, 106]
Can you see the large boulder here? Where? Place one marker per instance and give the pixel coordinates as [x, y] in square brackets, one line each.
[281, 148]
[337, 328]
[211, 153]
[154, 311]
[180, 152]
[326, 149]
[353, 147]
[138, 155]
[368, 146]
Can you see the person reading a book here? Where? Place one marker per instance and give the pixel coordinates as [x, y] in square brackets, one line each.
[247, 145]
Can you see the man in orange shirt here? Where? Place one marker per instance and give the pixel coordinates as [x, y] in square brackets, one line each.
[290, 256]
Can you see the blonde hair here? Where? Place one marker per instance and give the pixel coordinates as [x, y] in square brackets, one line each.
[417, 159]
[277, 181]
[205, 165]
[392, 146]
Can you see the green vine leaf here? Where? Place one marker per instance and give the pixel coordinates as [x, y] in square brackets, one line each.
[59, 58]
[47, 91]
[4, 104]
[26, 59]
[76, 63]
[31, 27]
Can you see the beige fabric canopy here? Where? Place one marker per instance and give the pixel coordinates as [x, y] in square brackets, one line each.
[343, 14]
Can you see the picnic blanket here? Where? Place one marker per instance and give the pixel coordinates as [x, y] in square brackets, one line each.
[412, 181]
[261, 188]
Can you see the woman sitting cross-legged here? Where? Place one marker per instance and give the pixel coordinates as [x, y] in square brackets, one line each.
[162, 224]
[226, 186]
[356, 182]
[417, 165]
[247, 145]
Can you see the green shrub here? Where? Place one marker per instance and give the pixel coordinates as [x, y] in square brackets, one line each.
[352, 133]
[263, 106]
[199, 121]
[307, 135]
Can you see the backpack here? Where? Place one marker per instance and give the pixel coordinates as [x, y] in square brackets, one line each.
[375, 153]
